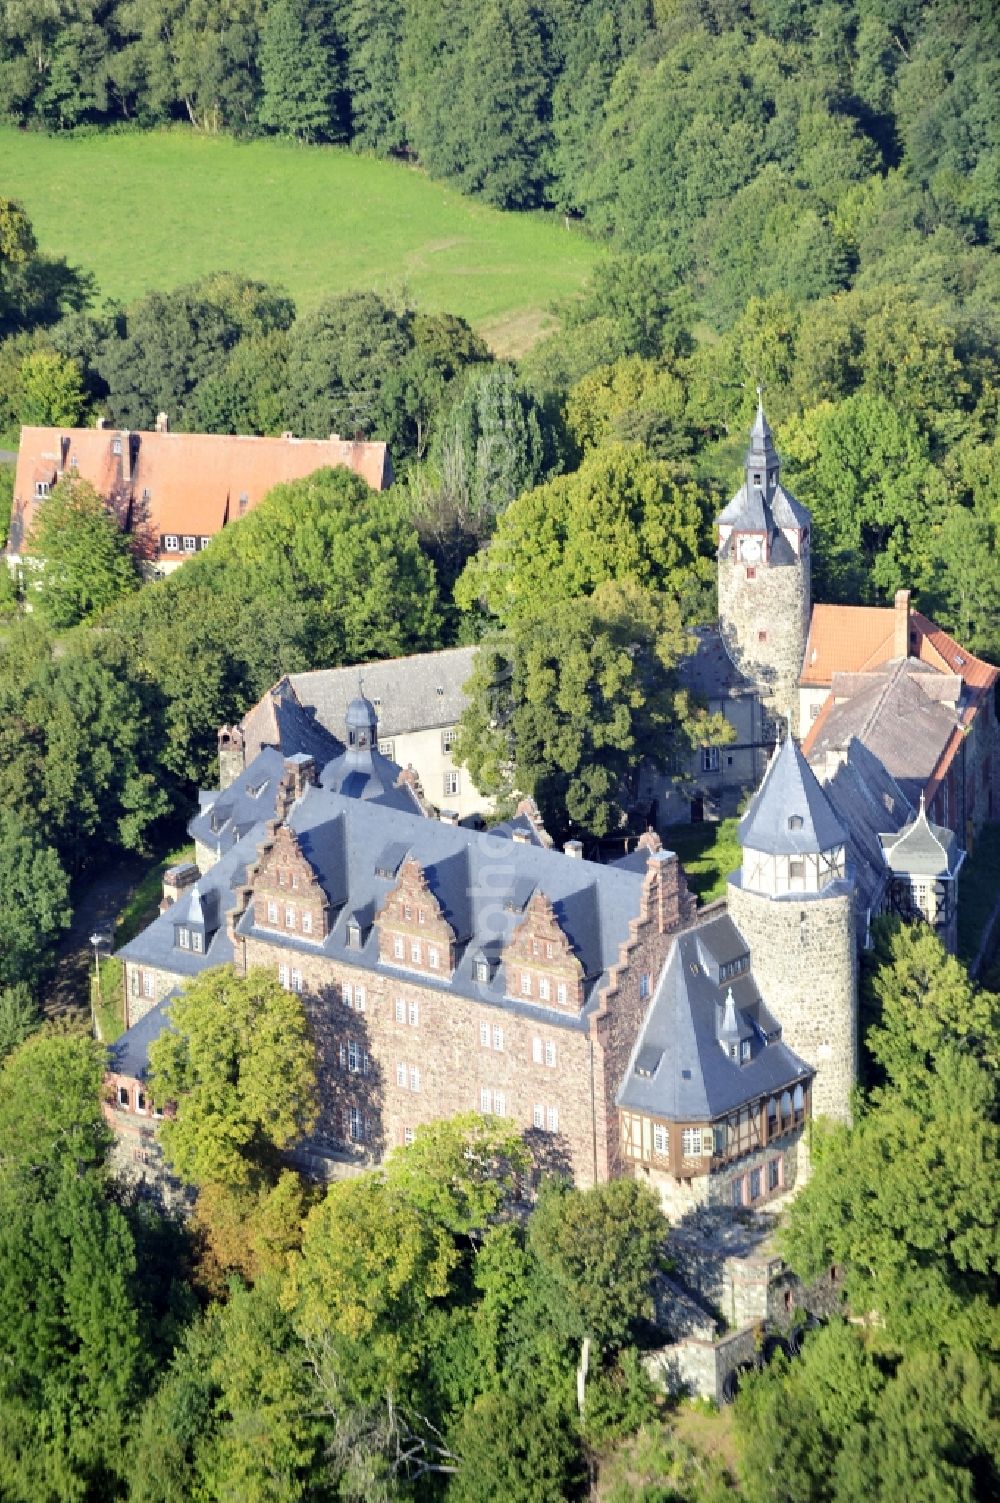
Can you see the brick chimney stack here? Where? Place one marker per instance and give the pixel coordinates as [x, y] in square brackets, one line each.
[901, 625]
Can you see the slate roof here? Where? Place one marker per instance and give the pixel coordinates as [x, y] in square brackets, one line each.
[923, 849]
[867, 801]
[482, 881]
[709, 671]
[156, 946]
[129, 1054]
[410, 694]
[766, 508]
[678, 1069]
[194, 481]
[790, 792]
[896, 710]
[227, 816]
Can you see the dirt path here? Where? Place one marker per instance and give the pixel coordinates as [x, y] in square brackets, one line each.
[96, 903]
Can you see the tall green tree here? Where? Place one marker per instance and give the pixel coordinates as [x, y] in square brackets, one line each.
[567, 704]
[301, 72]
[239, 1064]
[34, 900]
[51, 390]
[86, 560]
[620, 516]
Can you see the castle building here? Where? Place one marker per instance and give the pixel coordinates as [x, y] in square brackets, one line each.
[764, 578]
[418, 701]
[446, 970]
[174, 491]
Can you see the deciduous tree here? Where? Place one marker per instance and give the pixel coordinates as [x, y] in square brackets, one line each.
[86, 560]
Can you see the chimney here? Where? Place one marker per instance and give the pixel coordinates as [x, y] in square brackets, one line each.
[126, 438]
[163, 422]
[448, 817]
[288, 433]
[175, 880]
[901, 625]
[574, 848]
[335, 438]
[299, 774]
[102, 423]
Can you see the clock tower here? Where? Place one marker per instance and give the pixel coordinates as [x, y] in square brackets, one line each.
[764, 578]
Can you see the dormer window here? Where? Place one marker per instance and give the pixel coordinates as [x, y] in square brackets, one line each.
[197, 941]
[745, 1050]
[482, 969]
[184, 938]
[757, 480]
[795, 821]
[41, 489]
[116, 446]
[353, 934]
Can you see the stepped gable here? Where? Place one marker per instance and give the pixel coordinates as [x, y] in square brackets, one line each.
[483, 887]
[705, 1005]
[790, 814]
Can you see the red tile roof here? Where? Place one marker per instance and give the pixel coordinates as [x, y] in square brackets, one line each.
[195, 481]
[858, 638]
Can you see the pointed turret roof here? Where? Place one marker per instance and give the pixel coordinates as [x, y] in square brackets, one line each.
[761, 437]
[790, 814]
[922, 849]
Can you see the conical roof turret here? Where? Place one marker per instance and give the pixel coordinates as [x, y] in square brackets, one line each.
[790, 815]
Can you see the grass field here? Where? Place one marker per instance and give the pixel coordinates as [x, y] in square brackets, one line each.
[708, 852]
[156, 210]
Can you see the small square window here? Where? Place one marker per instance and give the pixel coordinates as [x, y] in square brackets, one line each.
[205, 542]
[386, 748]
[482, 970]
[190, 543]
[171, 542]
[762, 635]
[751, 573]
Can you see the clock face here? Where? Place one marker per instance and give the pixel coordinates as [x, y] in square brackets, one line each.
[750, 549]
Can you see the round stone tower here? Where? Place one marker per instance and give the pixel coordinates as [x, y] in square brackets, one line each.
[764, 578]
[794, 905]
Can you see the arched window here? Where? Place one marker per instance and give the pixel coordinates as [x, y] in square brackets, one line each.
[795, 821]
[786, 1104]
[798, 1098]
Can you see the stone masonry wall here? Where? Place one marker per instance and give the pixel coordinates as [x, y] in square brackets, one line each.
[444, 1043]
[774, 600]
[137, 1004]
[805, 963]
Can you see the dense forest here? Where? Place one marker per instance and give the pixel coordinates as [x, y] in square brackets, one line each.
[802, 196]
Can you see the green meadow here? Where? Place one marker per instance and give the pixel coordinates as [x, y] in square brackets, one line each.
[155, 210]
